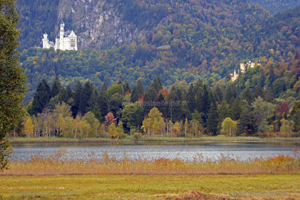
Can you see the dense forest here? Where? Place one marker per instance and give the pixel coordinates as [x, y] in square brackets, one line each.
[40, 16]
[260, 103]
[174, 52]
[36, 18]
[186, 56]
[277, 6]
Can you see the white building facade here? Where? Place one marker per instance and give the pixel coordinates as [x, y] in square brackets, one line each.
[63, 41]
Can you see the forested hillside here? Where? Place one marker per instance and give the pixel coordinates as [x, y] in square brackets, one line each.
[102, 24]
[36, 18]
[175, 52]
[262, 102]
[277, 5]
[105, 23]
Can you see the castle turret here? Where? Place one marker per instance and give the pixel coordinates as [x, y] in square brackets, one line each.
[61, 35]
[45, 41]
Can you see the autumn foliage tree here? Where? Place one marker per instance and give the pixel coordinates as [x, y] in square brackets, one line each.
[109, 119]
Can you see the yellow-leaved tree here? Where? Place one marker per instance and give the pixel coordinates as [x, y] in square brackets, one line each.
[112, 130]
[229, 126]
[155, 122]
[28, 127]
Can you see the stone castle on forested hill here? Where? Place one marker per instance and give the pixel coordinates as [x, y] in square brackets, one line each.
[243, 67]
[63, 41]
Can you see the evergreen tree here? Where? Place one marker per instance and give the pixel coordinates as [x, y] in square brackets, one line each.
[139, 115]
[69, 92]
[269, 95]
[259, 92]
[173, 104]
[229, 94]
[156, 84]
[137, 91]
[103, 101]
[262, 78]
[271, 76]
[246, 124]
[77, 98]
[247, 95]
[162, 105]
[134, 94]
[126, 87]
[234, 92]
[93, 100]
[56, 87]
[190, 97]
[140, 87]
[63, 96]
[223, 111]
[12, 80]
[213, 119]
[115, 105]
[236, 109]
[119, 82]
[259, 115]
[97, 112]
[219, 94]
[41, 98]
[151, 96]
[205, 100]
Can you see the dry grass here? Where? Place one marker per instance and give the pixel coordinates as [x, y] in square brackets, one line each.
[59, 165]
[196, 195]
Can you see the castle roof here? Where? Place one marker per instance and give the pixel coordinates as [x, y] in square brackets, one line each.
[67, 33]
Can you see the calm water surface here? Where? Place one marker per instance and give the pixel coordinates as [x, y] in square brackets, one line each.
[243, 151]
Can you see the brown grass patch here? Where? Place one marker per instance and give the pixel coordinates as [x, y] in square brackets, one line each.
[58, 164]
[196, 195]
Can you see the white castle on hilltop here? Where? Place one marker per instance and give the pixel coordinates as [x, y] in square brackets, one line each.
[63, 41]
[243, 68]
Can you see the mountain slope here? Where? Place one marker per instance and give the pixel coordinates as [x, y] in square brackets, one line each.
[277, 6]
[102, 24]
[188, 53]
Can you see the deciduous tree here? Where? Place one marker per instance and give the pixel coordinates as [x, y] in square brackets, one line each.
[229, 126]
[28, 127]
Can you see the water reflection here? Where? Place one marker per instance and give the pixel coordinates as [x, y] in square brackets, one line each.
[243, 151]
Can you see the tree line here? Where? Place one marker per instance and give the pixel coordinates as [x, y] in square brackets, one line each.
[183, 110]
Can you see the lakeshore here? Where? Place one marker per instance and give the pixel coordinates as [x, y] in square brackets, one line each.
[146, 140]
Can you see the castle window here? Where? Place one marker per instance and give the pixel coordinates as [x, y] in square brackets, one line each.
[72, 42]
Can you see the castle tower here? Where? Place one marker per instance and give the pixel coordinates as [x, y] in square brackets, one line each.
[242, 68]
[46, 41]
[61, 35]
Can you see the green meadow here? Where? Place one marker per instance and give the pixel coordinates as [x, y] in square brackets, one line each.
[149, 186]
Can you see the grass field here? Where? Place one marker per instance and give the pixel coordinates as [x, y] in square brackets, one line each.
[148, 186]
[129, 139]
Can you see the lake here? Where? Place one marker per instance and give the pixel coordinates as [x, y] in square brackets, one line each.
[243, 151]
